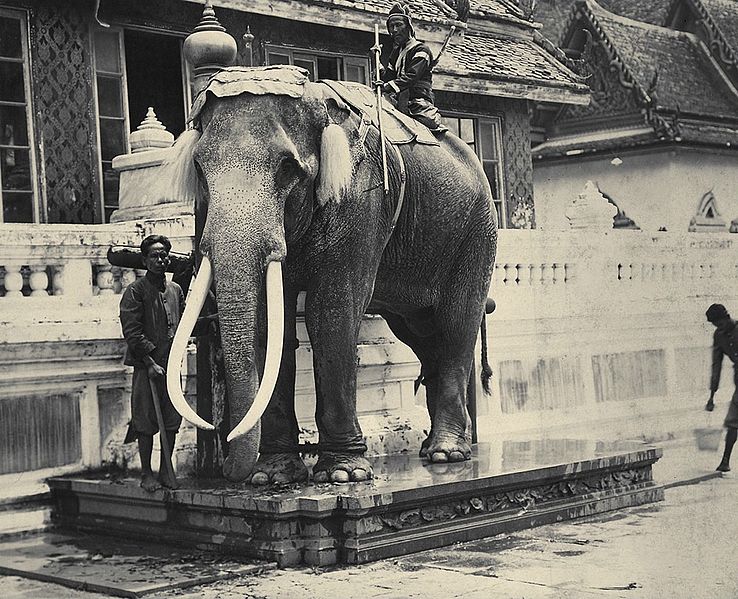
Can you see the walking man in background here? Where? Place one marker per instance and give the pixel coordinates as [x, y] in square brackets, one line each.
[725, 343]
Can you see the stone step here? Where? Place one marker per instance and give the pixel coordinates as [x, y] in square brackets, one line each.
[24, 521]
[25, 513]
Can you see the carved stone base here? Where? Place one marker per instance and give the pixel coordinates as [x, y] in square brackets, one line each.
[410, 506]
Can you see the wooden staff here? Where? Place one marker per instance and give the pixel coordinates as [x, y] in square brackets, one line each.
[377, 49]
[163, 439]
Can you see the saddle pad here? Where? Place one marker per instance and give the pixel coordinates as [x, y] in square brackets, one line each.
[279, 80]
[398, 128]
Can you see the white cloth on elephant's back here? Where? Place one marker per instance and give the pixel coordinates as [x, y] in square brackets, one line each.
[398, 127]
[288, 80]
[279, 80]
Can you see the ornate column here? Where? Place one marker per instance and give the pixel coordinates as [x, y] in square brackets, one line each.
[208, 48]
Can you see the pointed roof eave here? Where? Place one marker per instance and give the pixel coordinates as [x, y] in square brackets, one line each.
[625, 75]
[558, 55]
[718, 41]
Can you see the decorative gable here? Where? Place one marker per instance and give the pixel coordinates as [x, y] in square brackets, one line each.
[707, 219]
[611, 94]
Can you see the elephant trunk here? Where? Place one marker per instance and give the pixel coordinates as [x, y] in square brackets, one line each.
[275, 333]
[238, 295]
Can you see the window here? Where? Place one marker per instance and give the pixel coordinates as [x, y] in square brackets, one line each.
[483, 135]
[112, 122]
[322, 65]
[18, 195]
[134, 70]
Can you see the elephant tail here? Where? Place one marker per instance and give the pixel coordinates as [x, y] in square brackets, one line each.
[486, 374]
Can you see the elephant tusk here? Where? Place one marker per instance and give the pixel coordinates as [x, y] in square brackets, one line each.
[275, 333]
[196, 299]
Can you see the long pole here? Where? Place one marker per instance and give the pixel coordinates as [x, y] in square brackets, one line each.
[377, 49]
[163, 439]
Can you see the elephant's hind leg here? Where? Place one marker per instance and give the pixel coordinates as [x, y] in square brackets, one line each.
[448, 440]
[457, 319]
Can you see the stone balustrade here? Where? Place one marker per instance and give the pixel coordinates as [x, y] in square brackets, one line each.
[583, 271]
[589, 325]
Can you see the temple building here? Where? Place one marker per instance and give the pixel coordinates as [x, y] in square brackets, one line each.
[92, 94]
[78, 82]
[660, 135]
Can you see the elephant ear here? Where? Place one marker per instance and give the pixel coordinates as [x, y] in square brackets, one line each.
[336, 158]
[176, 178]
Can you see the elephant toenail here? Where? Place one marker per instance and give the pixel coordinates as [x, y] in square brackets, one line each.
[340, 476]
[259, 479]
[320, 477]
[359, 475]
[456, 456]
[439, 456]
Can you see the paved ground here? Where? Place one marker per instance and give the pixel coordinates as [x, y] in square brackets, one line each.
[684, 547]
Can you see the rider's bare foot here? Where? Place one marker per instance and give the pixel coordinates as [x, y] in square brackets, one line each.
[149, 483]
[167, 481]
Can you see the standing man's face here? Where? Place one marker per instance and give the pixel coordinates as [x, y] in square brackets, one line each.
[157, 259]
[399, 31]
[723, 324]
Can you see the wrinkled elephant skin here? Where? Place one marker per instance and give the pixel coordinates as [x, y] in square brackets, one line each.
[282, 184]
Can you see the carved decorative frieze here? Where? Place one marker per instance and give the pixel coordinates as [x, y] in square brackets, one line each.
[518, 499]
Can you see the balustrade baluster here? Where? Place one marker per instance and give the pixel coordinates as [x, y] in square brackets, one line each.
[13, 280]
[545, 274]
[509, 274]
[57, 279]
[519, 274]
[117, 285]
[569, 272]
[38, 280]
[127, 276]
[104, 279]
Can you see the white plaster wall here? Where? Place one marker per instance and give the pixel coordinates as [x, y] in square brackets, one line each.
[656, 189]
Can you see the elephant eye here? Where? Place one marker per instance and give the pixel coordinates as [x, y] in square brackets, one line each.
[290, 169]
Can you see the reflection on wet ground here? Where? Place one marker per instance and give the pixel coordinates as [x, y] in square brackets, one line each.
[115, 566]
[407, 471]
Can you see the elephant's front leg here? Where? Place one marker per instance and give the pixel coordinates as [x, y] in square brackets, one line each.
[279, 459]
[333, 316]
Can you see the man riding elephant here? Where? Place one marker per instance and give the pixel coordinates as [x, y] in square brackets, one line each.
[408, 74]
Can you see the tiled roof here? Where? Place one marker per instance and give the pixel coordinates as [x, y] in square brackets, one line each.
[502, 9]
[554, 14]
[725, 15]
[506, 59]
[431, 10]
[690, 132]
[686, 76]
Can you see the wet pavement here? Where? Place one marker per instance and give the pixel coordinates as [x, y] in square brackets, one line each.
[683, 547]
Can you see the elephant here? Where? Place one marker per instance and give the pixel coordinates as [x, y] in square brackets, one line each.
[295, 202]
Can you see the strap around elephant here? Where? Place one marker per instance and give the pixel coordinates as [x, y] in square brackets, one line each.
[403, 181]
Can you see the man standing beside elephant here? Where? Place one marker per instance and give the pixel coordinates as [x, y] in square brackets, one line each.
[150, 310]
[408, 73]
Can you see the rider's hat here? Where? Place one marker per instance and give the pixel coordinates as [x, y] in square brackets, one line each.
[399, 11]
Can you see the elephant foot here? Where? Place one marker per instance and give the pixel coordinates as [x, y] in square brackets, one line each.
[336, 467]
[279, 469]
[439, 450]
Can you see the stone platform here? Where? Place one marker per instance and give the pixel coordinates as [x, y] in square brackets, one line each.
[410, 506]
